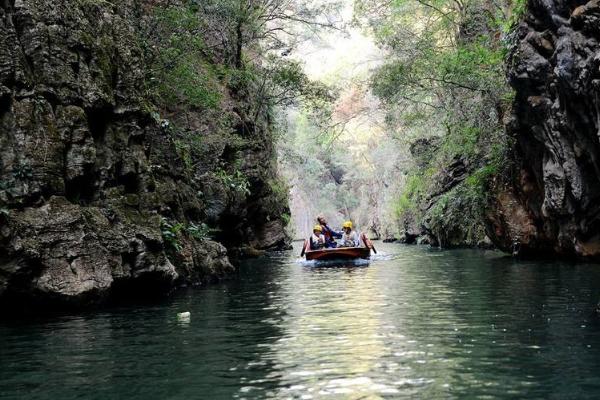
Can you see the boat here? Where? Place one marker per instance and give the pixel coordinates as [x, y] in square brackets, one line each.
[339, 253]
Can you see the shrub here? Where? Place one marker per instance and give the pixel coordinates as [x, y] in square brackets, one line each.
[456, 216]
[170, 233]
[180, 72]
[411, 194]
[236, 180]
[199, 232]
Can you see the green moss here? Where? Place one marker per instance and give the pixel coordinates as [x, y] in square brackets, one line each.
[132, 200]
[187, 81]
[518, 10]
[461, 141]
[411, 194]
[456, 216]
[184, 151]
[279, 188]
[286, 218]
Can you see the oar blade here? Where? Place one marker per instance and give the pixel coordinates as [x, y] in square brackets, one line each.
[368, 242]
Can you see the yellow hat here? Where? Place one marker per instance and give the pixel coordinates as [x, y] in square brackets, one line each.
[318, 228]
[347, 224]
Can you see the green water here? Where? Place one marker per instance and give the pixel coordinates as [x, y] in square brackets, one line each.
[414, 323]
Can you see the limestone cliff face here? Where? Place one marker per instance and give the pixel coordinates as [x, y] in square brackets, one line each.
[552, 204]
[87, 175]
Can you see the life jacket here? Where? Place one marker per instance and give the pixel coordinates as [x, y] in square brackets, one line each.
[317, 242]
[350, 239]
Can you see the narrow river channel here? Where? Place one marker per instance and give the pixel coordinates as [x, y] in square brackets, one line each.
[412, 323]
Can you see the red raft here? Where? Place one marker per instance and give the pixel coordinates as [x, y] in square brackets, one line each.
[339, 253]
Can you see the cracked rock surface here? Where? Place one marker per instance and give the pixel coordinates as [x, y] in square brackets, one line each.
[86, 173]
[552, 204]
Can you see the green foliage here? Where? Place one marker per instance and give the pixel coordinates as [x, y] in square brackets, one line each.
[181, 74]
[293, 84]
[236, 180]
[519, 8]
[170, 233]
[279, 83]
[456, 216]
[259, 27]
[22, 172]
[411, 195]
[477, 65]
[479, 179]
[460, 141]
[508, 19]
[286, 218]
[199, 232]
[184, 149]
[187, 74]
[240, 79]
[187, 80]
[445, 72]
[280, 189]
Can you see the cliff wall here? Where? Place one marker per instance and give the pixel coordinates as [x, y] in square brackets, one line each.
[95, 195]
[552, 203]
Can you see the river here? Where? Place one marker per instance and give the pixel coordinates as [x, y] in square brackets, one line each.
[413, 323]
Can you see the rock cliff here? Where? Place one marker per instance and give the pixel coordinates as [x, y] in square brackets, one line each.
[552, 203]
[95, 197]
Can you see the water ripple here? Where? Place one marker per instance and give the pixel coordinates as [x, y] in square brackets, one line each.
[409, 323]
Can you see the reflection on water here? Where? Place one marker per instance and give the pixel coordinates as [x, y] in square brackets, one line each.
[412, 323]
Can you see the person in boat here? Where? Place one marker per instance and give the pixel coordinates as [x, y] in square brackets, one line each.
[317, 239]
[349, 237]
[330, 234]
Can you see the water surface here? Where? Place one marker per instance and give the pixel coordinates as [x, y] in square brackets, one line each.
[413, 323]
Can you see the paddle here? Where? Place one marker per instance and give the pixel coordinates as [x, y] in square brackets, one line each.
[373, 247]
[368, 243]
[303, 249]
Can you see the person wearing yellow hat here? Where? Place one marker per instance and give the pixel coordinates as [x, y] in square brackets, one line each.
[317, 239]
[349, 237]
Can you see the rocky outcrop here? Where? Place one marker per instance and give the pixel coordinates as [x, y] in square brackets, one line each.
[551, 205]
[88, 175]
[442, 212]
[63, 251]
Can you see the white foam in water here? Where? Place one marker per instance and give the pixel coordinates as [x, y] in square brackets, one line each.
[334, 263]
[380, 256]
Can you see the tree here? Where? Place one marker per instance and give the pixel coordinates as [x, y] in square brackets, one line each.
[444, 78]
